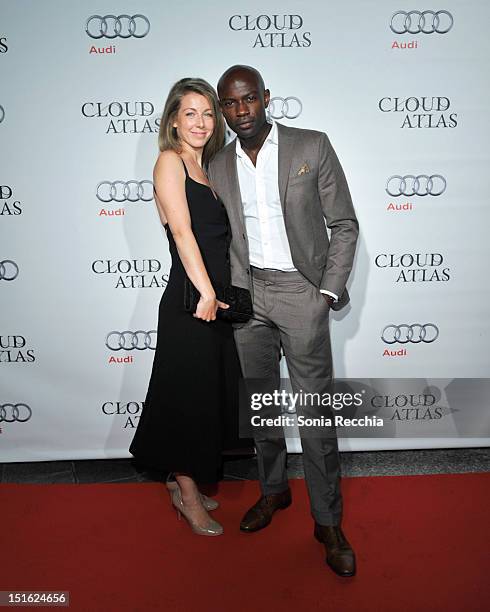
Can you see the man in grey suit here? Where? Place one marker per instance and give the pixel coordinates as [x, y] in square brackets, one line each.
[279, 185]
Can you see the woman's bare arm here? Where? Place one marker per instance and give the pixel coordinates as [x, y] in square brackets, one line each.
[169, 182]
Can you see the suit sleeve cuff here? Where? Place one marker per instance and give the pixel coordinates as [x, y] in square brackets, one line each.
[335, 297]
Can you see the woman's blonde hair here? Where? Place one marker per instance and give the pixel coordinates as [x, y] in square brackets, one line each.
[167, 136]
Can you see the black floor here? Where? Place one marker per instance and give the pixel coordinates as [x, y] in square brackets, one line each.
[372, 463]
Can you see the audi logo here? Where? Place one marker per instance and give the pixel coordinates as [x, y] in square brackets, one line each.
[414, 333]
[285, 108]
[128, 340]
[122, 26]
[2, 113]
[9, 413]
[425, 22]
[9, 270]
[410, 185]
[122, 191]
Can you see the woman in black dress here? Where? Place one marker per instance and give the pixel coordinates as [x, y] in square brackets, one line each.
[190, 412]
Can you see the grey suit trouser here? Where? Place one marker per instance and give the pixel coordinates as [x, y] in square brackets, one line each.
[289, 311]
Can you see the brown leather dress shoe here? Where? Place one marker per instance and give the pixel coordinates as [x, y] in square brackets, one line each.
[340, 556]
[260, 514]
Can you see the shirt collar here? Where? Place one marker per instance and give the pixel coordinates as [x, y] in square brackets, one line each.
[271, 137]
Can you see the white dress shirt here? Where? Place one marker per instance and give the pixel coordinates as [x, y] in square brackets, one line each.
[259, 187]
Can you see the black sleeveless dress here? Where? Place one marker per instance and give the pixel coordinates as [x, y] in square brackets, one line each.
[190, 414]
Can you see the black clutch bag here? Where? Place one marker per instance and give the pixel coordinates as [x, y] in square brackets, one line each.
[239, 300]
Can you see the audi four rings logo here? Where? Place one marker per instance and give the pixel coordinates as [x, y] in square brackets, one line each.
[9, 270]
[285, 108]
[121, 26]
[425, 22]
[414, 333]
[9, 413]
[2, 113]
[125, 191]
[410, 185]
[128, 340]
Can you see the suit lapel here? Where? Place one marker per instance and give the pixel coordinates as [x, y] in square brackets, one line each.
[286, 147]
[236, 208]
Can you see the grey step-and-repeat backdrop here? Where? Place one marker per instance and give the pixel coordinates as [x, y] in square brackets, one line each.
[401, 90]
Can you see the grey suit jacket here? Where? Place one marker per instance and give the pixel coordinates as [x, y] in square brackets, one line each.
[307, 200]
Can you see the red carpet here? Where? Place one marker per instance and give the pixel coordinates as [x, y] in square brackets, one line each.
[422, 543]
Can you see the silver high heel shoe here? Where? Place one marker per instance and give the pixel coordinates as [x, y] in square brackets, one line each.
[207, 502]
[212, 529]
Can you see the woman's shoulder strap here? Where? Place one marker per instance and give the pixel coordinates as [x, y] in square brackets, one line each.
[185, 168]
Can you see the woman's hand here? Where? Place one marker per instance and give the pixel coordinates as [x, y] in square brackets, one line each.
[207, 307]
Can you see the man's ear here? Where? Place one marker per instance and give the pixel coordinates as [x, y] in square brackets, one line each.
[267, 97]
